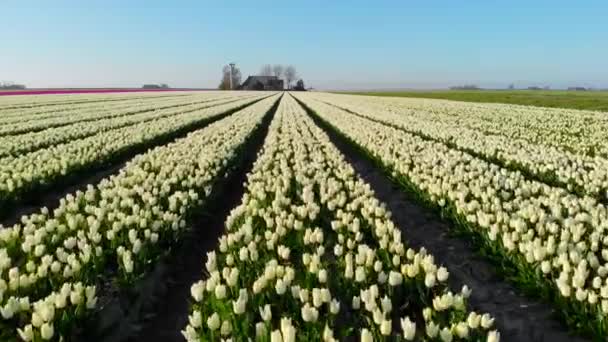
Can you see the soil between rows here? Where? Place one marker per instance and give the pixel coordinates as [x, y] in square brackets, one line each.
[49, 196]
[518, 318]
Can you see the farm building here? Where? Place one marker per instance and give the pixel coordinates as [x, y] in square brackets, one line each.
[262, 83]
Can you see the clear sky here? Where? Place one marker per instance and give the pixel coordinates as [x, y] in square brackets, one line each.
[333, 44]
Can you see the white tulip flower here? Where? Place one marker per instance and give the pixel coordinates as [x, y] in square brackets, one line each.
[47, 331]
[409, 328]
[446, 335]
[265, 313]
[442, 274]
[493, 336]
[213, 322]
[366, 336]
[27, 333]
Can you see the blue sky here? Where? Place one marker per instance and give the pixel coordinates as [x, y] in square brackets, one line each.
[333, 44]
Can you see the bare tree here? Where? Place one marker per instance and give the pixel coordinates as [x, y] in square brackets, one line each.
[11, 85]
[277, 70]
[236, 78]
[300, 85]
[290, 75]
[266, 70]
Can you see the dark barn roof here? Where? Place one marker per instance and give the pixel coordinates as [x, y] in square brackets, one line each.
[262, 83]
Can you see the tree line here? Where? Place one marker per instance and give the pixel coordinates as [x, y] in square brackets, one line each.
[236, 77]
[11, 86]
[287, 73]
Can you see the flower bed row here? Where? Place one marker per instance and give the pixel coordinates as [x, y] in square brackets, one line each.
[14, 105]
[31, 172]
[15, 145]
[577, 131]
[51, 262]
[31, 123]
[549, 241]
[96, 113]
[54, 110]
[578, 173]
[310, 254]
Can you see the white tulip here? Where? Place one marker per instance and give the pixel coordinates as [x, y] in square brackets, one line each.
[220, 291]
[409, 328]
[288, 330]
[226, 328]
[360, 274]
[395, 278]
[276, 336]
[266, 313]
[47, 331]
[473, 320]
[442, 274]
[493, 336]
[260, 329]
[486, 321]
[27, 333]
[197, 291]
[462, 330]
[432, 329]
[366, 336]
[213, 322]
[280, 287]
[196, 319]
[334, 307]
[385, 327]
[446, 335]
[309, 313]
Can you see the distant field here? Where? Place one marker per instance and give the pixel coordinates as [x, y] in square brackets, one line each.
[59, 91]
[590, 100]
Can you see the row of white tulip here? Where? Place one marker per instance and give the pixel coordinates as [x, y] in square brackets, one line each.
[556, 240]
[23, 122]
[109, 110]
[310, 254]
[13, 105]
[17, 115]
[42, 106]
[41, 100]
[23, 143]
[578, 173]
[51, 261]
[21, 174]
[577, 131]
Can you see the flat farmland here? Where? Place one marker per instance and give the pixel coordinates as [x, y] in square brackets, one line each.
[587, 100]
[300, 216]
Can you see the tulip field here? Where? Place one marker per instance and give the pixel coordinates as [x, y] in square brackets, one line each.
[100, 192]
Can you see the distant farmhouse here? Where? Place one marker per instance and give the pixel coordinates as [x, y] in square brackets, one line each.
[577, 89]
[262, 83]
[156, 86]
